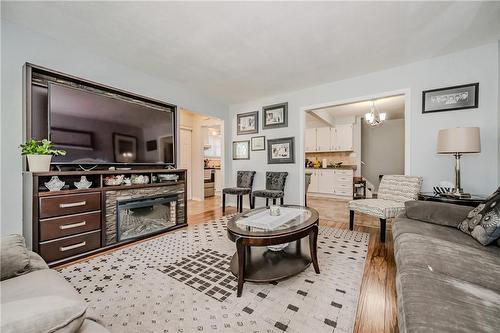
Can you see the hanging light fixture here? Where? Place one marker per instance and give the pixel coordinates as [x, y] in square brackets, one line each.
[374, 118]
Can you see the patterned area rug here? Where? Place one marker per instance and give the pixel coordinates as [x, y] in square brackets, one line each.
[181, 282]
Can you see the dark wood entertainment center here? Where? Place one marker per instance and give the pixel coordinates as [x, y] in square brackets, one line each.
[72, 223]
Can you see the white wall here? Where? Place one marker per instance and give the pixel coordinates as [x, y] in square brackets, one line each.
[20, 45]
[480, 171]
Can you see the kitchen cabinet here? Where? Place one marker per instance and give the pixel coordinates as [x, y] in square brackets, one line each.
[325, 181]
[331, 181]
[218, 180]
[313, 186]
[342, 138]
[310, 139]
[325, 139]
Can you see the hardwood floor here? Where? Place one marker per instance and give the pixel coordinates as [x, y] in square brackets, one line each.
[377, 301]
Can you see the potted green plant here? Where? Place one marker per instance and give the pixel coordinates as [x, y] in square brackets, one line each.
[39, 154]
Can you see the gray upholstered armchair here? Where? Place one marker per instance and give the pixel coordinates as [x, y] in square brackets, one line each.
[393, 192]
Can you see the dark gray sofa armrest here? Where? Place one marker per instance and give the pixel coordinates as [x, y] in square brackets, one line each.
[437, 212]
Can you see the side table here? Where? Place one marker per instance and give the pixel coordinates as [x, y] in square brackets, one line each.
[473, 201]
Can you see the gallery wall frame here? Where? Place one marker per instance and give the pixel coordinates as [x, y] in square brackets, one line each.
[275, 116]
[247, 123]
[281, 151]
[465, 96]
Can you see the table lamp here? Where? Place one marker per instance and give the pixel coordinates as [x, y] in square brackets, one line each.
[458, 141]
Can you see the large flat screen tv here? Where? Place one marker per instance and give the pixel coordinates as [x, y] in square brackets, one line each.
[95, 128]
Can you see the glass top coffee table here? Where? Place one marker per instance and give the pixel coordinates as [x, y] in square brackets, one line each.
[255, 262]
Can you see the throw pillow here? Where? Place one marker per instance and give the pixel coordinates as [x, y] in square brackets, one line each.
[15, 259]
[483, 222]
[43, 314]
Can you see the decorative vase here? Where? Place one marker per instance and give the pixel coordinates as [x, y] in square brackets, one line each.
[54, 184]
[39, 163]
[83, 183]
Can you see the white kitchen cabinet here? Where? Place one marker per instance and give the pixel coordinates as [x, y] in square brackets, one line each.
[313, 186]
[218, 180]
[341, 138]
[323, 139]
[326, 181]
[331, 181]
[310, 139]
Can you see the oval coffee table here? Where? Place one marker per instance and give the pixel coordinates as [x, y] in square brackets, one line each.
[254, 262]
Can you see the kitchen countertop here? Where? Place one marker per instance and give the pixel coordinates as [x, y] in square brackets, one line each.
[216, 168]
[344, 166]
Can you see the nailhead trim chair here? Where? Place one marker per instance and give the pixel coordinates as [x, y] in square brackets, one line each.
[393, 192]
[244, 184]
[307, 180]
[275, 188]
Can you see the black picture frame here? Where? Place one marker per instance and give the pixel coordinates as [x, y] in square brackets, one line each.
[277, 147]
[253, 116]
[272, 118]
[235, 155]
[258, 137]
[451, 98]
[123, 141]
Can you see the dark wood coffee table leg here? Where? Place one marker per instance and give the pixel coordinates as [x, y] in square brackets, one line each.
[313, 242]
[240, 249]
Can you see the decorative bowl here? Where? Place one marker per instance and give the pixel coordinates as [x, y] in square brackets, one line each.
[139, 179]
[83, 183]
[168, 177]
[113, 180]
[54, 184]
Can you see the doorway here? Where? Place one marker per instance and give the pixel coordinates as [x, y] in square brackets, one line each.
[185, 156]
[201, 152]
[350, 142]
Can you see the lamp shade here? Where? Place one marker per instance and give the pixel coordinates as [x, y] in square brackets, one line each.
[459, 140]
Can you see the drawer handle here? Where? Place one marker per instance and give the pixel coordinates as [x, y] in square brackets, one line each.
[73, 225]
[73, 204]
[71, 247]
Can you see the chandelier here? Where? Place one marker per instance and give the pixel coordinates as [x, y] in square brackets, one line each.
[374, 118]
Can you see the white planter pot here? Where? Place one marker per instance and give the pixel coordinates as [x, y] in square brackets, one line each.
[39, 163]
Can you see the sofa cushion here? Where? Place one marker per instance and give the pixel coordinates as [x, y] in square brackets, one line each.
[15, 259]
[45, 282]
[43, 314]
[434, 302]
[437, 212]
[380, 208]
[483, 223]
[448, 258]
[90, 326]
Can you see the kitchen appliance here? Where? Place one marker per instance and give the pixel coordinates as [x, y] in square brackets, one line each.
[209, 182]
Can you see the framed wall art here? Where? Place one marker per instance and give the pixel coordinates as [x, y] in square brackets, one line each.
[241, 150]
[280, 151]
[258, 143]
[247, 123]
[275, 115]
[451, 98]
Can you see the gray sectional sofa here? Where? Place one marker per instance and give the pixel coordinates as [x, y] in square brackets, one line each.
[446, 280]
[35, 298]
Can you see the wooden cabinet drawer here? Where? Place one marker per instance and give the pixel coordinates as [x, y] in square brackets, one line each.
[57, 227]
[344, 192]
[343, 179]
[70, 246]
[344, 172]
[69, 204]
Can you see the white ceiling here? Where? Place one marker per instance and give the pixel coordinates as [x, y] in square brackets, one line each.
[393, 106]
[240, 51]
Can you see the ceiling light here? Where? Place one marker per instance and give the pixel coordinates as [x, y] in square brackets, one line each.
[374, 118]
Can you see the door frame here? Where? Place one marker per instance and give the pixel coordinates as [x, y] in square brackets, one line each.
[406, 92]
[189, 181]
